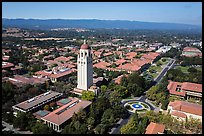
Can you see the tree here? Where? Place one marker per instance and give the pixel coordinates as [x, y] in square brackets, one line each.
[131, 126]
[87, 95]
[134, 78]
[108, 117]
[135, 89]
[163, 59]
[100, 129]
[120, 111]
[7, 91]
[52, 104]
[124, 81]
[103, 88]
[121, 90]
[164, 104]
[47, 107]
[158, 63]
[114, 98]
[40, 128]
[21, 121]
[192, 70]
[90, 123]
[151, 93]
[141, 128]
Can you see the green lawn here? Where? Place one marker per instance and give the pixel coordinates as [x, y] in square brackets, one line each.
[158, 68]
[199, 69]
[185, 69]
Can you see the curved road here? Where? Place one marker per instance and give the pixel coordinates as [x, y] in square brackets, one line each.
[121, 122]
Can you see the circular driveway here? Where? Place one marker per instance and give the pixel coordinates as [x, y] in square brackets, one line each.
[141, 99]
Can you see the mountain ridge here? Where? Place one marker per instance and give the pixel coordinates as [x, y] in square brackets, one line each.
[93, 24]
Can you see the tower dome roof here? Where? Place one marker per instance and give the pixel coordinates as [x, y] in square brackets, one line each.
[85, 46]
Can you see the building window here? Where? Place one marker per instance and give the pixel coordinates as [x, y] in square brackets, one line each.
[85, 54]
[81, 54]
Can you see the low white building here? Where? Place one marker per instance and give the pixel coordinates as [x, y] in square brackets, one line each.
[175, 45]
[182, 110]
[164, 49]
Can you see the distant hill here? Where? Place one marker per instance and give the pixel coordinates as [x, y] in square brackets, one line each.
[93, 24]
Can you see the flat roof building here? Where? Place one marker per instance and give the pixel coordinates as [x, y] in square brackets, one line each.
[35, 103]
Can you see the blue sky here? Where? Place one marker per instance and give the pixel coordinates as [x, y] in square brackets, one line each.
[171, 12]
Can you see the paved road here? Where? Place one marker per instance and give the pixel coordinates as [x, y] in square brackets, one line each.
[121, 122]
[164, 71]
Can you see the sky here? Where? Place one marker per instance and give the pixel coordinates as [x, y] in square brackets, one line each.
[169, 12]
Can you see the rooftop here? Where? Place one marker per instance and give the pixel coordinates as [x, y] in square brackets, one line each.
[20, 80]
[187, 107]
[65, 112]
[183, 87]
[154, 128]
[29, 104]
[7, 64]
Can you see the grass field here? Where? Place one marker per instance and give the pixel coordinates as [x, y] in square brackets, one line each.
[185, 69]
[158, 68]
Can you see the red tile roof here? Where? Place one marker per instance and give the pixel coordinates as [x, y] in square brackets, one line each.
[18, 80]
[140, 62]
[118, 79]
[131, 55]
[150, 55]
[102, 65]
[58, 119]
[186, 107]
[62, 58]
[178, 114]
[154, 128]
[129, 67]
[172, 86]
[5, 58]
[43, 73]
[120, 61]
[107, 54]
[192, 87]
[140, 49]
[7, 65]
[61, 74]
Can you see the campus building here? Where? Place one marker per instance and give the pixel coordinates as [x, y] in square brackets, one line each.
[59, 118]
[155, 128]
[185, 89]
[36, 103]
[182, 110]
